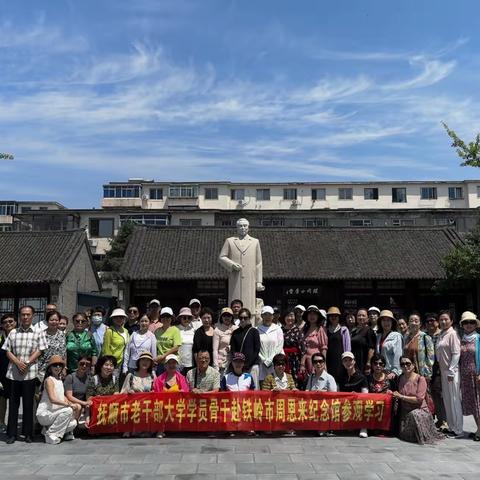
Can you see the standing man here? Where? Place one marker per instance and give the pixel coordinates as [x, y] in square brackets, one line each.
[23, 346]
[42, 325]
[236, 305]
[154, 315]
[242, 258]
[132, 321]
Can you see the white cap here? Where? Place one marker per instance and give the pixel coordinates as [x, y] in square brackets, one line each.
[193, 301]
[118, 312]
[154, 301]
[348, 355]
[171, 356]
[166, 311]
[299, 307]
[374, 309]
[267, 309]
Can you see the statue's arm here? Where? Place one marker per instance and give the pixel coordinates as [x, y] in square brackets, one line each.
[259, 265]
[224, 259]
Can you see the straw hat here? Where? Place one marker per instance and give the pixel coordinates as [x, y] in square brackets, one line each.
[55, 359]
[469, 316]
[333, 311]
[386, 314]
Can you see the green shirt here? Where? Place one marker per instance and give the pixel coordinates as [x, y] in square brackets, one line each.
[79, 344]
[167, 339]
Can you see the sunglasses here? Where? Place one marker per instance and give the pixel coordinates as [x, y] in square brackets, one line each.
[13, 321]
[379, 363]
[469, 322]
[81, 321]
[405, 364]
[318, 361]
[83, 364]
[57, 365]
[133, 311]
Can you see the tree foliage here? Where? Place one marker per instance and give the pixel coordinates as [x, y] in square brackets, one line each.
[463, 262]
[469, 153]
[6, 156]
[118, 246]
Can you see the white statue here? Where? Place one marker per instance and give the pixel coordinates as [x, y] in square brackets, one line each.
[242, 258]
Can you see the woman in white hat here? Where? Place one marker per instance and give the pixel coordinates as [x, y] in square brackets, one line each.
[470, 368]
[116, 339]
[55, 412]
[271, 342]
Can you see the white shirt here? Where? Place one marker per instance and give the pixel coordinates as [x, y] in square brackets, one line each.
[271, 343]
[185, 349]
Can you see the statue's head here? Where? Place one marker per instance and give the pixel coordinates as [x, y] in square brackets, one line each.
[242, 227]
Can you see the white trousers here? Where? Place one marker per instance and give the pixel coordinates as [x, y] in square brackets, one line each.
[255, 373]
[57, 422]
[452, 402]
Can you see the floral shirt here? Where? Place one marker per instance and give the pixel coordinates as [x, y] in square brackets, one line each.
[56, 345]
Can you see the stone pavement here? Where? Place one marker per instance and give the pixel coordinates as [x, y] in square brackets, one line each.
[194, 456]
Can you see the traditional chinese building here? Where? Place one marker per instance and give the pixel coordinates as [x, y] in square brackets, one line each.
[389, 267]
[37, 268]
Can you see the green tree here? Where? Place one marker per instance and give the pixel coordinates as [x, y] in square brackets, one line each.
[469, 153]
[462, 263]
[6, 156]
[118, 246]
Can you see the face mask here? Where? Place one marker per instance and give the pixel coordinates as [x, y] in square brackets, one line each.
[97, 320]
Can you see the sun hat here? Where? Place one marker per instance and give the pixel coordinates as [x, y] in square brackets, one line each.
[386, 314]
[171, 356]
[469, 316]
[166, 311]
[118, 312]
[238, 357]
[374, 309]
[267, 309]
[145, 355]
[226, 310]
[185, 312]
[299, 307]
[334, 311]
[311, 308]
[55, 359]
[348, 355]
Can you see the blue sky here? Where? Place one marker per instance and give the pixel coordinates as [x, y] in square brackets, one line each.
[96, 91]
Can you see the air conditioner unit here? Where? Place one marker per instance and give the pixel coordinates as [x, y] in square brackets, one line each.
[92, 242]
[145, 197]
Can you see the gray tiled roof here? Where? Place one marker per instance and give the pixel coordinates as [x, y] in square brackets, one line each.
[37, 257]
[292, 253]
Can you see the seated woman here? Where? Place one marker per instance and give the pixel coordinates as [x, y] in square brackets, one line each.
[75, 385]
[141, 380]
[416, 421]
[171, 380]
[379, 381]
[55, 412]
[104, 382]
[279, 380]
[237, 380]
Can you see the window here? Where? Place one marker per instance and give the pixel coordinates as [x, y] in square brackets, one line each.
[399, 195]
[190, 222]
[370, 193]
[272, 222]
[263, 194]
[183, 191]
[26, 209]
[227, 223]
[428, 193]
[237, 194]
[315, 222]
[121, 191]
[6, 305]
[345, 194]
[360, 223]
[455, 193]
[211, 193]
[403, 222]
[5, 228]
[101, 227]
[146, 219]
[289, 193]
[443, 221]
[8, 208]
[43, 208]
[156, 194]
[319, 193]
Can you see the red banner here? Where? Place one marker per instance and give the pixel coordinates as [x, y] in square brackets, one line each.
[239, 411]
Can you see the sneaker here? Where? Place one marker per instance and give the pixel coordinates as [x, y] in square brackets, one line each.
[290, 433]
[3, 428]
[126, 435]
[52, 440]
[10, 440]
[455, 435]
[69, 436]
[321, 434]
[330, 433]
[363, 433]
[160, 435]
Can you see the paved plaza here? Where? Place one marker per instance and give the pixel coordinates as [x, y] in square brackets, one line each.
[188, 457]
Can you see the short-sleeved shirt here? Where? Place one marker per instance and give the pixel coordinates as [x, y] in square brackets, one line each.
[356, 383]
[167, 339]
[324, 383]
[207, 381]
[23, 343]
[77, 385]
[98, 386]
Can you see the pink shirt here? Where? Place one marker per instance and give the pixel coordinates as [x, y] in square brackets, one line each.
[448, 344]
[160, 382]
[413, 388]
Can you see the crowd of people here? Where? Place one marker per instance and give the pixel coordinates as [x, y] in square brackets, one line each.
[429, 363]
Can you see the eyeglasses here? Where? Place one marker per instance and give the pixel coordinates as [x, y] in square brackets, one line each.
[83, 364]
[469, 322]
[405, 364]
[318, 361]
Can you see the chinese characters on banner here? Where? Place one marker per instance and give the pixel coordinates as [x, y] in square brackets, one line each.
[242, 411]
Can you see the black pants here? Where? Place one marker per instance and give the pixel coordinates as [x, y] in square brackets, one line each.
[24, 390]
